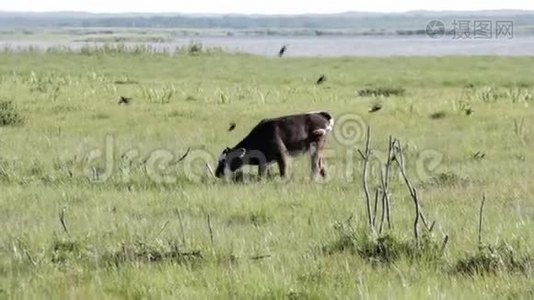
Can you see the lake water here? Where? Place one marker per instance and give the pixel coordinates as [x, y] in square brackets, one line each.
[336, 46]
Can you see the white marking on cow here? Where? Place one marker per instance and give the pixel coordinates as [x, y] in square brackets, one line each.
[330, 125]
[321, 131]
[324, 131]
[242, 153]
[222, 157]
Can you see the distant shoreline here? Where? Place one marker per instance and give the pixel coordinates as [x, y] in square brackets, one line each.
[300, 46]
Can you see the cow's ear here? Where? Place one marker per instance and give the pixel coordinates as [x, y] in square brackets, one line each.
[241, 152]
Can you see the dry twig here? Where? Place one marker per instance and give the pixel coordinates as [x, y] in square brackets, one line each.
[185, 155]
[375, 208]
[63, 222]
[399, 158]
[210, 229]
[366, 155]
[480, 219]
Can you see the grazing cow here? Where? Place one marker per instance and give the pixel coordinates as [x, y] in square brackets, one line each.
[276, 139]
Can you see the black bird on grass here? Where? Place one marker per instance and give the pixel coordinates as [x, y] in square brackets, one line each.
[124, 100]
[232, 126]
[282, 51]
[321, 79]
[375, 107]
[468, 111]
[479, 155]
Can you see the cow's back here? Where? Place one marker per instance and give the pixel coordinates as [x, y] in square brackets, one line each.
[295, 132]
[298, 131]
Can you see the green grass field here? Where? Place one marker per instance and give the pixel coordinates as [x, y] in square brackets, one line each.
[153, 228]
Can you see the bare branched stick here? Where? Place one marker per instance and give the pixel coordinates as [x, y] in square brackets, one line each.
[210, 229]
[399, 158]
[423, 219]
[444, 244]
[366, 155]
[62, 220]
[431, 226]
[383, 215]
[375, 208]
[388, 212]
[181, 226]
[417, 215]
[185, 155]
[391, 147]
[383, 199]
[210, 170]
[480, 219]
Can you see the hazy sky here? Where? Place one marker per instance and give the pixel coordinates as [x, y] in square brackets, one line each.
[259, 6]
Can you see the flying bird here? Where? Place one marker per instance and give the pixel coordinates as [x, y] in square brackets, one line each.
[232, 126]
[124, 100]
[468, 111]
[321, 79]
[376, 107]
[282, 51]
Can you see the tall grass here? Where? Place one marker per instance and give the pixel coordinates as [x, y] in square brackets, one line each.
[157, 227]
[116, 48]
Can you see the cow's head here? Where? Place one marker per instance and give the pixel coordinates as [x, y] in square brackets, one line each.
[230, 159]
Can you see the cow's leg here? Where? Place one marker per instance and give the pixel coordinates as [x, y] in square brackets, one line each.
[315, 160]
[282, 165]
[282, 157]
[322, 167]
[262, 169]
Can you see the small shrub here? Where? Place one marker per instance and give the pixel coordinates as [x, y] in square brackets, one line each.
[63, 251]
[488, 95]
[446, 179]
[386, 248]
[469, 86]
[381, 91]
[495, 259]
[256, 218]
[194, 48]
[150, 253]
[519, 95]
[162, 95]
[9, 116]
[197, 49]
[438, 115]
[389, 248]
